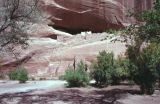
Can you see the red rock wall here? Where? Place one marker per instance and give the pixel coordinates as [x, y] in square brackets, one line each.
[136, 5]
[94, 15]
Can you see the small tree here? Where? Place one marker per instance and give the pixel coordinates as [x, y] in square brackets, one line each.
[13, 75]
[143, 57]
[143, 67]
[78, 77]
[123, 68]
[19, 74]
[105, 70]
[156, 49]
[148, 25]
[22, 75]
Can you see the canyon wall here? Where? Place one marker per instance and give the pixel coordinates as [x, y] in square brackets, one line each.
[84, 15]
[135, 5]
[93, 15]
[49, 53]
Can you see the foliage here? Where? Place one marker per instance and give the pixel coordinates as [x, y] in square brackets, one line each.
[143, 48]
[105, 70]
[13, 75]
[143, 66]
[20, 74]
[148, 27]
[123, 68]
[112, 31]
[15, 17]
[156, 48]
[78, 77]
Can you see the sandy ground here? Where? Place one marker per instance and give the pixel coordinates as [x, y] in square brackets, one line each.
[53, 92]
[15, 87]
[139, 99]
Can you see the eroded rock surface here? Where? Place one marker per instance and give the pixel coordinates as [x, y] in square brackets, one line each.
[79, 15]
[92, 15]
[48, 58]
[51, 51]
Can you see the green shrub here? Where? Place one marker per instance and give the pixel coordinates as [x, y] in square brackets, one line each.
[13, 75]
[19, 74]
[22, 75]
[105, 70]
[156, 50]
[148, 29]
[123, 68]
[144, 63]
[112, 31]
[143, 67]
[78, 77]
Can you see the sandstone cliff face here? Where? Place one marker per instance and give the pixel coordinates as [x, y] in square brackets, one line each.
[48, 58]
[52, 51]
[135, 5]
[94, 15]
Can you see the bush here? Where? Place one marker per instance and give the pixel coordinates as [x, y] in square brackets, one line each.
[123, 68]
[143, 65]
[22, 75]
[112, 31]
[144, 61]
[19, 74]
[13, 75]
[105, 70]
[156, 50]
[78, 77]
